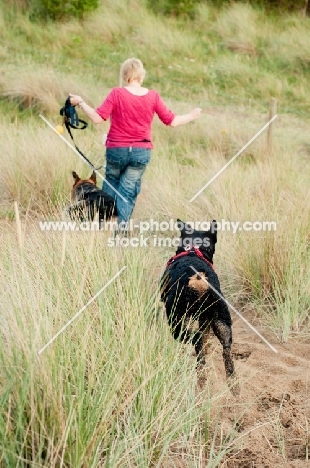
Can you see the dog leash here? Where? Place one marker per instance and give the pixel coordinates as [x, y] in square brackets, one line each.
[71, 119]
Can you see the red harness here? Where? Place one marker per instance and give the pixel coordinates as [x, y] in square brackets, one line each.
[194, 250]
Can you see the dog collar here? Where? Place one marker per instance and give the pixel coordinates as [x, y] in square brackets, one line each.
[194, 250]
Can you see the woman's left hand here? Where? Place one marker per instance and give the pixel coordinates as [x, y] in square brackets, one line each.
[74, 99]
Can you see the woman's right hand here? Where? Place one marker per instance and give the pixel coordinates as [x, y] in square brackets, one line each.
[74, 99]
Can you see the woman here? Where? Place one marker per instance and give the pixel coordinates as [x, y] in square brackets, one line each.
[128, 146]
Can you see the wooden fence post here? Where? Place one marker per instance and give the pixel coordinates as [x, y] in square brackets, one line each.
[307, 8]
[272, 113]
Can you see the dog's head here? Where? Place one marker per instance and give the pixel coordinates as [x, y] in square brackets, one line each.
[203, 240]
[80, 184]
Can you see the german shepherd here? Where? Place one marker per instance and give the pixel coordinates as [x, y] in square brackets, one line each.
[88, 200]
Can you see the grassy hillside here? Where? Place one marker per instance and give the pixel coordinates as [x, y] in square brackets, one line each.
[114, 389]
[225, 56]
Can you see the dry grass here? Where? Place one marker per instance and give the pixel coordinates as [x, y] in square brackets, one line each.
[123, 392]
[109, 394]
[291, 53]
[239, 25]
[39, 90]
[37, 174]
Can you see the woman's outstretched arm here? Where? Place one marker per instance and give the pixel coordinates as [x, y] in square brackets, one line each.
[185, 118]
[89, 111]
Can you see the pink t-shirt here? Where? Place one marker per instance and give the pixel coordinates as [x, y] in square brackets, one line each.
[131, 117]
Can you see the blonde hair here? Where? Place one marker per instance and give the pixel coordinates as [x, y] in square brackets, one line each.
[132, 69]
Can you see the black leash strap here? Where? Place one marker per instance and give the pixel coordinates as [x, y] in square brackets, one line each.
[71, 119]
[83, 155]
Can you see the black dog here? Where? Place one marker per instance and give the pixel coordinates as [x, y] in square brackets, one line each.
[188, 288]
[88, 200]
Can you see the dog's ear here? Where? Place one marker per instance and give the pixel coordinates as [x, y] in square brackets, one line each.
[185, 228]
[75, 176]
[93, 177]
[181, 225]
[214, 229]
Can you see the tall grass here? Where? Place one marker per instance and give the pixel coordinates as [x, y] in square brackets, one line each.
[114, 389]
[37, 169]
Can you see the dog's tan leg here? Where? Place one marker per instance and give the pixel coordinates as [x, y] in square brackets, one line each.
[206, 339]
[224, 334]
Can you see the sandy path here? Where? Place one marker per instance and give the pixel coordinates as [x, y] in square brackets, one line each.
[273, 410]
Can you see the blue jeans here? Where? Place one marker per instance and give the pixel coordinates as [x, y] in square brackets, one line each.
[124, 169]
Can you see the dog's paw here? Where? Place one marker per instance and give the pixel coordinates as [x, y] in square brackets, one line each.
[241, 351]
